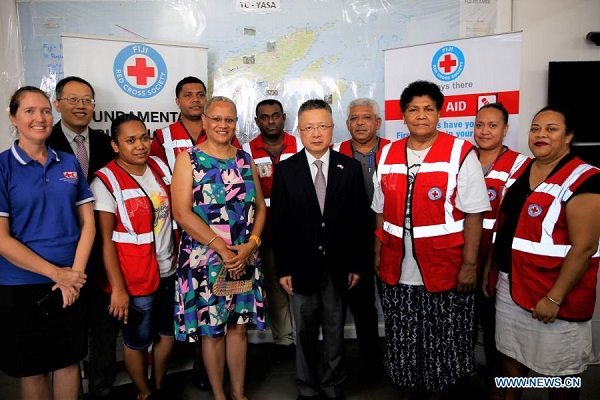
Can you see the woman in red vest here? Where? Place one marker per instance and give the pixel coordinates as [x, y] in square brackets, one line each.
[429, 198]
[497, 162]
[546, 252]
[133, 210]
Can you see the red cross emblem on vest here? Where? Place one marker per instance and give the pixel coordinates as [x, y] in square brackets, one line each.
[534, 210]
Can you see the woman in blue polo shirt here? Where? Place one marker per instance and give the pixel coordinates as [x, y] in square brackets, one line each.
[46, 233]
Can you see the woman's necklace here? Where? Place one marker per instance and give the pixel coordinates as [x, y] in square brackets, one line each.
[417, 153]
[424, 146]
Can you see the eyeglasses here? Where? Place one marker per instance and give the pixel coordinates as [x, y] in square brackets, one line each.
[218, 120]
[312, 129]
[87, 101]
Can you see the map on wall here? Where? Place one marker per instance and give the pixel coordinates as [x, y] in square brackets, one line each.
[288, 50]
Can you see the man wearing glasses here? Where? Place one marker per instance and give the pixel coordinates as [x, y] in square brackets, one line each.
[318, 204]
[72, 134]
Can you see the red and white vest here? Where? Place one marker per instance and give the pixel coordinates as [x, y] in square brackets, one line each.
[541, 243]
[264, 164]
[345, 148]
[437, 225]
[133, 234]
[507, 163]
[174, 139]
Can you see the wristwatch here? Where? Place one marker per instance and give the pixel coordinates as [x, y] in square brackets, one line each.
[256, 239]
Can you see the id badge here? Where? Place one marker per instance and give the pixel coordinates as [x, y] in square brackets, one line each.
[265, 170]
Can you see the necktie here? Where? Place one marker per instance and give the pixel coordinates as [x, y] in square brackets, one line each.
[81, 153]
[320, 186]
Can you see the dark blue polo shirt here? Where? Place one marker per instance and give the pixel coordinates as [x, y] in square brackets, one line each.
[41, 202]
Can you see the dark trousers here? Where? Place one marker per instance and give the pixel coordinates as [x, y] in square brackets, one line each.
[361, 302]
[278, 301]
[103, 342]
[320, 369]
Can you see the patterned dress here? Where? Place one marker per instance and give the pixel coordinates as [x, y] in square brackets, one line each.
[223, 196]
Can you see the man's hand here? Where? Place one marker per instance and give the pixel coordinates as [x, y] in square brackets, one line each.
[286, 283]
[353, 280]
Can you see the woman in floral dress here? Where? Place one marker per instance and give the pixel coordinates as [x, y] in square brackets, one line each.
[218, 202]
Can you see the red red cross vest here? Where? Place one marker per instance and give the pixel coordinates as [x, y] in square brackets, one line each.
[437, 225]
[172, 140]
[541, 243]
[507, 163]
[264, 164]
[133, 234]
[345, 148]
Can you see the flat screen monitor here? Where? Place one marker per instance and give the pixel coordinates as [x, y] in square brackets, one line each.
[576, 85]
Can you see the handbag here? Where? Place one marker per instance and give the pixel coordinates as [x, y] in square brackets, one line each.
[225, 285]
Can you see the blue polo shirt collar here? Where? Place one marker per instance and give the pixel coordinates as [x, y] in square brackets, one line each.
[24, 159]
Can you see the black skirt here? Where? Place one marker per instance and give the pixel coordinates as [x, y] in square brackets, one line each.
[32, 343]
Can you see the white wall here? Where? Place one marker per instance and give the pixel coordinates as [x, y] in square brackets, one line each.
[11, 65]
[553, 30]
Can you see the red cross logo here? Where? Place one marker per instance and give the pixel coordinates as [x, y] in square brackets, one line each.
[434, 193]
[447, 63]
[141, 71]
[534, 210]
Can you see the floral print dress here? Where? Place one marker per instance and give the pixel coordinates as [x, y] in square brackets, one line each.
[223, 196]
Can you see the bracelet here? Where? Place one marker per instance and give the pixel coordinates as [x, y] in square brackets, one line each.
[553, 301]
[212, 240]
[256, 239]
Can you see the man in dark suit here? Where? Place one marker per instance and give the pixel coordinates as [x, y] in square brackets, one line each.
[318, 204]
[72, 134]
[75, 103]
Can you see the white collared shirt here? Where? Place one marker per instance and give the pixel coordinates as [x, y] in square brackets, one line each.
[70, 135]
[313, 168]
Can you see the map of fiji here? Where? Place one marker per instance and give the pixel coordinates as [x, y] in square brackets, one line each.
[282, 68]
[271, 65]
[328, 49]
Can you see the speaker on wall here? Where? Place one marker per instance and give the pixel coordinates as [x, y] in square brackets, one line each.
[576, 85]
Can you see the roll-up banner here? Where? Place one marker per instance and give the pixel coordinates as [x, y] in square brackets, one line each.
[471, 72]
[132, 75]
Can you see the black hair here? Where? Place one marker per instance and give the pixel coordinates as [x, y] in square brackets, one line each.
[188, 79]
[268, 102]
[421, 88]
[567, 116]
[15, 99]
[61, 85]
[314, 104]
[497, 106]
[116, 124]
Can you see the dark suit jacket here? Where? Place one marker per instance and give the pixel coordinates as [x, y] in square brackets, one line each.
[101, 151]
[307, 243]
